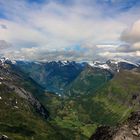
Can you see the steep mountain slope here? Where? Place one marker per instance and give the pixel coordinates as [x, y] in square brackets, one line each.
[21, 84]
[116, 99]
[22, 116]
[54, 76]
[89, 81]
[95, 75]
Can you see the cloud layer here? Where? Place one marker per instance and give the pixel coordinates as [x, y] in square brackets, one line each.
[4, 45]
[131, 39]
[73, 30]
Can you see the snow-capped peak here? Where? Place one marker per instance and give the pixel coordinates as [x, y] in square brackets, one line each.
[13, 61]
[114, 64]
[91, 63]
[4, 60]
[119, 60]
[104, 66]
[98, 64]
[65, 62]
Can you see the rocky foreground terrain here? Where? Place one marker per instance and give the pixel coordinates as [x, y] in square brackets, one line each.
[129, 130]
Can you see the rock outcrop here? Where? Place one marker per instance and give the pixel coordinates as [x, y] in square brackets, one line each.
[129, 130]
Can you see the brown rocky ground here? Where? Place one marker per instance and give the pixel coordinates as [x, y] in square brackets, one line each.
[129, 130]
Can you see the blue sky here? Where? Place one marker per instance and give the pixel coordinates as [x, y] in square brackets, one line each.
[70, 29]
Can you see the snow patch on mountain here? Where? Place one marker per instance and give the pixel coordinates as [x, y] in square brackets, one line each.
[104, 66]
[119, 60]
[113, 64]
[99, 64]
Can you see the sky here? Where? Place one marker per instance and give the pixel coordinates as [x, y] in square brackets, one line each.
[79, 30]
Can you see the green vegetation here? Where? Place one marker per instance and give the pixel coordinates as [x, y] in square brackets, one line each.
[92, 99]
[68, 114]
[109, 105]
[89, 81]
[19, 121]
[18, 118]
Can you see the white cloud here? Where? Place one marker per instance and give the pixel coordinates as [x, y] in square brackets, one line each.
[138, 53]
[132, 34]
[20, 33]
[37, 30]
[131, 38]
[4, 45]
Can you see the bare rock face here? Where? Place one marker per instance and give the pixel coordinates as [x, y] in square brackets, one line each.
[103, 133]
[129, 130]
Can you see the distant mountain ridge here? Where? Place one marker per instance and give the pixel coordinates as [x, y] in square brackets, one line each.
[53, 76]
[115, 64]
[88, 81]
[57, 76]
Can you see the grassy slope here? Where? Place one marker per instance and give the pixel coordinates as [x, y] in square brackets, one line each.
[118, 98]
[109, 105]
[75, 117]
[22, 123]
[64, 116]
[89, 80]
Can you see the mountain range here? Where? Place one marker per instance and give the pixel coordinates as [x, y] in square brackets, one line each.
[69, 100]
[55, 76]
